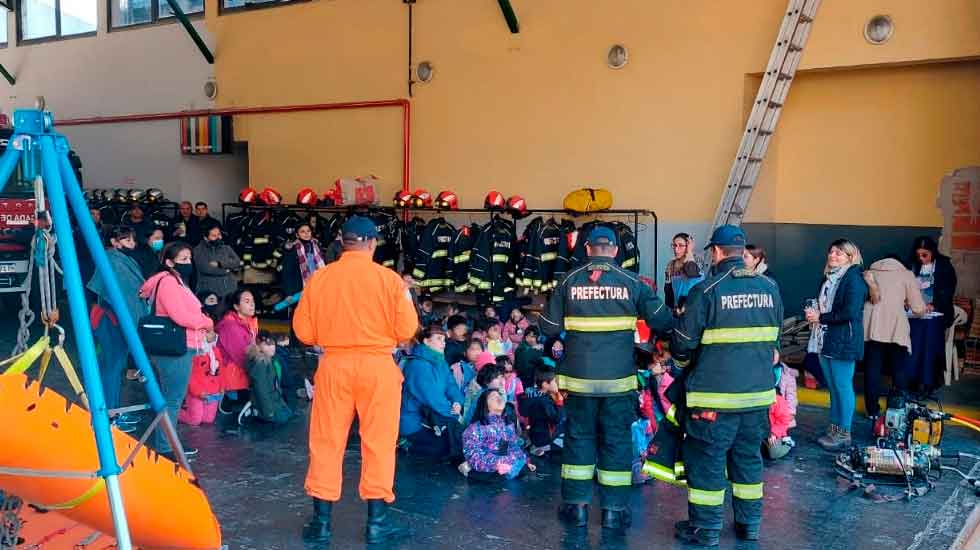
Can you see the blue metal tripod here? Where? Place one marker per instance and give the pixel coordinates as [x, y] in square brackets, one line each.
[39, 150]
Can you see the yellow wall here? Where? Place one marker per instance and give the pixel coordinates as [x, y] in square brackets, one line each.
[539, 113]
[868, 147]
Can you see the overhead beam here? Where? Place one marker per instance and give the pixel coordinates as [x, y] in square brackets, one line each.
[195, 36]
[510, 16]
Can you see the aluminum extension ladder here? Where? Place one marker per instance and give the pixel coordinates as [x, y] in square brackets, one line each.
[783, 62]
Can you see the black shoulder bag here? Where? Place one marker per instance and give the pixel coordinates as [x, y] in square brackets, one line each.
[160, 335]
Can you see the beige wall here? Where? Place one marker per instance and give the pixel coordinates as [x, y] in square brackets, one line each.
[539, 113]
[869, 147]
[139, 70]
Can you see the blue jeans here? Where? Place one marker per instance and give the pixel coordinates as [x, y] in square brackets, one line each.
[840, 381]
[112, 360]
[174, 374]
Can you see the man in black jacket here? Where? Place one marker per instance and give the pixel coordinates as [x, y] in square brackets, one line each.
[727, 340]
[597, 306]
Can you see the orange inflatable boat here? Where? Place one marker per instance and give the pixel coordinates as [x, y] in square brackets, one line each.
[164, 505]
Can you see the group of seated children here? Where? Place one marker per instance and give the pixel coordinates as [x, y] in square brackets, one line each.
[465, 402]
[266, 362]
[658, 432]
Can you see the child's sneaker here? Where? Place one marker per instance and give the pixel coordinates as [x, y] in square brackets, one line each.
[464, 468]
[309, 388]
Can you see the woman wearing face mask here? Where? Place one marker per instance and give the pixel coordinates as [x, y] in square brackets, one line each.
[216, 263]
[173, 298]
[147, 253]
[112, 347]
[301, 259]
[236, 333]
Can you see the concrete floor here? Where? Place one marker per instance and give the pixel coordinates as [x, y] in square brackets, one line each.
[254, 478]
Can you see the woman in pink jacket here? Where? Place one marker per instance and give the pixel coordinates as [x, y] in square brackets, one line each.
[236, 333]
[173, 299]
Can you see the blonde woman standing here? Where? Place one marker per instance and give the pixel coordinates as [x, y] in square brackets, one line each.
[682, 272]
[837, 319]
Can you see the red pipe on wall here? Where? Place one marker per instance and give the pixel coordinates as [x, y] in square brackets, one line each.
[405, 105]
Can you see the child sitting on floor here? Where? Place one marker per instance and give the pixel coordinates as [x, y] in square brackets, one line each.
[513, 388]
[204, 389]
[265, 376]
[515, 326]
[495, 342]
[782, 414]
[464, 371]
[489, 376]
[491, 444]
[542, 405]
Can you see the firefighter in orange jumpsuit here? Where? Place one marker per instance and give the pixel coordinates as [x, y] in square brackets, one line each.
[358, 312]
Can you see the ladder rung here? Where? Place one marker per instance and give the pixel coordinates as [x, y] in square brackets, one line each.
[794, 47]
[775, 105]
[764, 132]
[804, 18]
[745, 186]
[755, 159]
[784, 76]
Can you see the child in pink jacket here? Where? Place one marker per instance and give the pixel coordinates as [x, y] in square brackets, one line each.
[515, 326]
[204, 390]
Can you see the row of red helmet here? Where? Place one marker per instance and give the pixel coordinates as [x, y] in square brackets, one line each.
[448, 200]
[445, 200]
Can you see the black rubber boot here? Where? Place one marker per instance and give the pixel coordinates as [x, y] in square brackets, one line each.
[378, 528]
[746, 532]
[616, 520]
[704, 538]
[318, 528]
[574, 515]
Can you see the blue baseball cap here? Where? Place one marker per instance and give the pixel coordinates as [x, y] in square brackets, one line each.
[359, 228]
[727, 235]
[602, 235]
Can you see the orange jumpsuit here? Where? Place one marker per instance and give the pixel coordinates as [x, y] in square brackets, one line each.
[357, 311]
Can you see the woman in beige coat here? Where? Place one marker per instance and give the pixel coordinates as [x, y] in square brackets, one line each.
[893, 289]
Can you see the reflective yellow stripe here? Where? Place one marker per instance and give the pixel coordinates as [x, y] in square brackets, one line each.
[582, 385]
[705, 498]
[548, 256]
[600, 324]
[629, 263]
[615, 479]
[501, 258]
[747, 491]
[662, 473]
[260, 240]
[672, 415]
[739, 335]
[440, 254]
[707, 400]
[418, 273]
[679, 469]
[578, 472]
[462, 258]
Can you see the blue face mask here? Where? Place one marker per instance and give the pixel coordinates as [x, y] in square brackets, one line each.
[156, 246]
